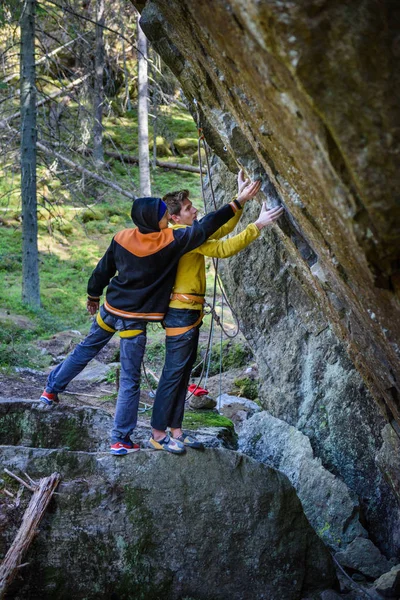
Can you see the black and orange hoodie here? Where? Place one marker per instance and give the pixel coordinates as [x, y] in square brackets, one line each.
[142, 263]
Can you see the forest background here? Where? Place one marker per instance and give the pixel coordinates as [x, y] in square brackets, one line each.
[86, 87]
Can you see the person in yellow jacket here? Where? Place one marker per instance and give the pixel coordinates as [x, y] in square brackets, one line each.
[184, 317]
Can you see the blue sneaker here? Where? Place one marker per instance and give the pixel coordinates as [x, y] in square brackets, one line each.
[190, 441]
[167, 443]
[122, 448]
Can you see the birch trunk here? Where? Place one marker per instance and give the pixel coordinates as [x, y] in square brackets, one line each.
[143, 117]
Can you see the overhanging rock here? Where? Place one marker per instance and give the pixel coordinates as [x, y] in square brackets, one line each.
[305, 95]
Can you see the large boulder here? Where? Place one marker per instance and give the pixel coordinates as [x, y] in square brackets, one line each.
[150, 525]
[299, 95]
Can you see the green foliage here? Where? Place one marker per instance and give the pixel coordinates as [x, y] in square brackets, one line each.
[247, 388]
[75, 229]
[10, 10]
[155, 352]
[111, 376]
[205, 418]
[16, 342]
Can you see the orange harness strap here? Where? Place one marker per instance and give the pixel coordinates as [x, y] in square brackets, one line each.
[180, 330]
[188, 298]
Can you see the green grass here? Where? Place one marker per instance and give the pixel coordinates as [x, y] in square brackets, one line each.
[74, 232]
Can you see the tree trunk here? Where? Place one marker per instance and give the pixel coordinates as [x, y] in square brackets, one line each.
[98, 98]
[30, 256]
[127, 102]
[143, 117]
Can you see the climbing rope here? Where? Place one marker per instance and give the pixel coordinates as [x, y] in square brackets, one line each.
[210, 307]
[201, 141]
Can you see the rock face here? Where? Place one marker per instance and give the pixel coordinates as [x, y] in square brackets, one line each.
[364, 557]
[307, 94]
[303, 95]
[25, 423]
[150, 525]
[331, 508]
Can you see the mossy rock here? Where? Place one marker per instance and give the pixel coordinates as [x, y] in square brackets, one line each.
[88, 215]
[205, 418]
[64, 227]
[246, 388]
[162, 146]
[185, 145]
[42, 214]
[116, 219]
[234, 355]
[194, 159]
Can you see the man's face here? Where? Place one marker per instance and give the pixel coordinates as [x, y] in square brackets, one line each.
[163, 224]
[186, 215]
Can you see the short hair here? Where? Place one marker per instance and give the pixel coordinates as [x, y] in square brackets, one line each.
[174, 201]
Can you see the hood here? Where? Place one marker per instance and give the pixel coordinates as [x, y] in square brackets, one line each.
[144, 214]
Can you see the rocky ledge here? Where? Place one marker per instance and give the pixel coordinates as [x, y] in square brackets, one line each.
[210, 525]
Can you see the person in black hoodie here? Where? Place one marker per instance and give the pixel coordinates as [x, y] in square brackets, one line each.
[139, 268]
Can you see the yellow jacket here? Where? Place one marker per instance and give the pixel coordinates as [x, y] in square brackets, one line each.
[191, 274]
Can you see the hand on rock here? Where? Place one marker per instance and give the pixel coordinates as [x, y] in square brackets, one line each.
[268, 216]
[248, 191]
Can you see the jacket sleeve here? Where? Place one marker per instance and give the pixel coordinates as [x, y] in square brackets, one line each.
[102, 274]
[228, 227]
[192, 237]
[231, 246]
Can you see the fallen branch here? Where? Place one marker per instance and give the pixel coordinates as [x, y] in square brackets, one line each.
[52, 96]
[73, 165]
[33, 515]
[21, 481]
[133, 160]
[154, 376]
[44, 58]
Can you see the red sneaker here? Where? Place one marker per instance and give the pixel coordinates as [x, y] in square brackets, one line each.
[49, 398]
[121, 448]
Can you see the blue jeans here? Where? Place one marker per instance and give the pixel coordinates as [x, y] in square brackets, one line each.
[131, 353]
[181, 352]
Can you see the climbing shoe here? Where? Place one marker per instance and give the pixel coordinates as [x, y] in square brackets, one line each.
[49, 398]
[168, 443]
[190, 441]
[122, 448]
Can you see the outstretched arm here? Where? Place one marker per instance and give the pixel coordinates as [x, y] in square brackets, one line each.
[246, 191]
[233, 245]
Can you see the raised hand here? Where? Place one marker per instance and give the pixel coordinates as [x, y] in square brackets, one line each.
[268, 216]
[248, 191]
[241, 180]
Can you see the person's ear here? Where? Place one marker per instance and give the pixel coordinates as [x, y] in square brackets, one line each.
[175, 218]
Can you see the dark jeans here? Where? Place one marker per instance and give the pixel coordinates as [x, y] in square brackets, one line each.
[181, 351]
[131, 352]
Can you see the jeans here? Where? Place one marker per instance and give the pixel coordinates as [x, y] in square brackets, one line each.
[131, 353]
[181, 352]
